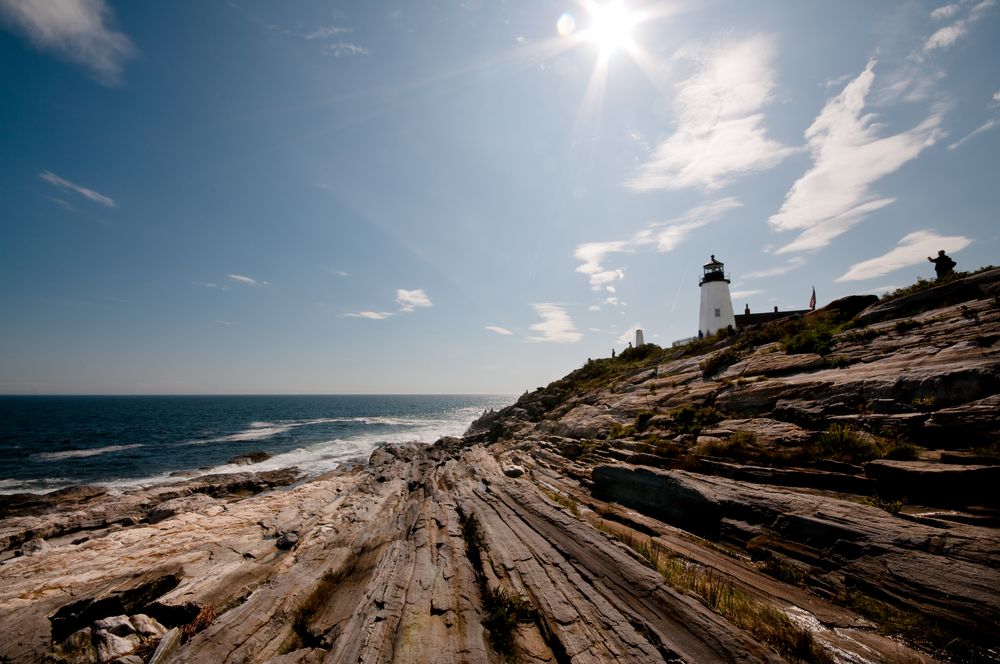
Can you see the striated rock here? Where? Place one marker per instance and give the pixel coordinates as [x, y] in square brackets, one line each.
[166, 647]
[175, 506]
[621, 544]
[776, 364]
[935, 483]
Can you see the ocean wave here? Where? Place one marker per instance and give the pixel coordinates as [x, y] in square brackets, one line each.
[313, 459]
[75, 454]
[40, 485]
[264, 430]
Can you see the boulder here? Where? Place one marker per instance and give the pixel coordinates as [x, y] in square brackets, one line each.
[513, 470]
[286, 541]
[117, 625]
[148, 627]
[249, 457]
[110, 646]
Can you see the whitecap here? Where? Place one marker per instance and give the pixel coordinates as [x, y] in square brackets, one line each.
[76, 454]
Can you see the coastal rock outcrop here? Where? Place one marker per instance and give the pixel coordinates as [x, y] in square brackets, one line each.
[724, 501]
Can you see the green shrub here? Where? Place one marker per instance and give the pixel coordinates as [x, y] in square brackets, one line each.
[901, 451]
[904, 326]
[844, 443]
[689, 419]
[720, 360]
[893, 507]
[740, 446]
[642, 420]
[810, 340]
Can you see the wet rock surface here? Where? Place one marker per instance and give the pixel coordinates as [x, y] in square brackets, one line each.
[644, 511]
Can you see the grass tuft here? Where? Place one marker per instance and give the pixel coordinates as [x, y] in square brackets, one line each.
[765, 622]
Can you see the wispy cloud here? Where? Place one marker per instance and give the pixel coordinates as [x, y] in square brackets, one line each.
[848, 157]
[341, 273]
[345, 50]
[985, 127]
[740, 294]
[326, 31]
[76, 30]
[913, 249]
[408, 300]
[503, 331]
[371, 315]
[663, 236]
[555, 327]
[789, 265]
[209, 284]
[246, 281]
[945, 11]
[951, 33]
[89, 194]
[720, 132]
[996, 99]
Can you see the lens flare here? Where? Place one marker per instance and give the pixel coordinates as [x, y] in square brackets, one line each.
[566, 25]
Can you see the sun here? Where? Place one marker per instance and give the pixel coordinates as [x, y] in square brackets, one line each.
[611, 25]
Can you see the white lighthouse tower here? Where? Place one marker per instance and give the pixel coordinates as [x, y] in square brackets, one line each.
[716, 305]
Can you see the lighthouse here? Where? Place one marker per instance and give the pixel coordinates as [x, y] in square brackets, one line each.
[716, 305]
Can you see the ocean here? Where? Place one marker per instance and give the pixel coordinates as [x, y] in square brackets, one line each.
[50, 442]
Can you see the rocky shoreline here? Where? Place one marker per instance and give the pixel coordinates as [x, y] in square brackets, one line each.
[732, 501]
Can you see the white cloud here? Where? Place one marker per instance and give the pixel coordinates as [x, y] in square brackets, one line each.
[499, 330]
[792, 264]
[556, 325]
[345, 50]
[986, 126]
[76, 30]
[664, 236]
[913, 249]
[206, 284]
[239, 278]
[945, 11]
[90, 194]
[848, 157]
[996, 98]
[341, 273]
[740, 294]
[946, 36]
[719, 134]
[323, 32]
[629, 334]
[949, 34]
[371, 315]
[592, 254]
[408, 300]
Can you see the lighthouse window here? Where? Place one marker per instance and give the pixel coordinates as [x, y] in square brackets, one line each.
[718, 313]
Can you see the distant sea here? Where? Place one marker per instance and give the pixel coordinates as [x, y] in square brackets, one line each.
[50, 442]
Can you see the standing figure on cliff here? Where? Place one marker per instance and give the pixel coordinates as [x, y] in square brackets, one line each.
[943, 264]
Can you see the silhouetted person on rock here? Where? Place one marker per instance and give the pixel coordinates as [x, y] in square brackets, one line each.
[943, 264]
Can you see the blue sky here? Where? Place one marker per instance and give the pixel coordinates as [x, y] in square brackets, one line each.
[477, 196]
